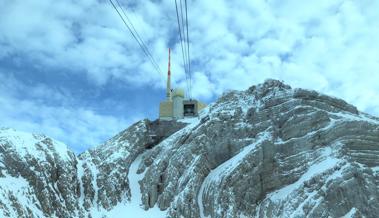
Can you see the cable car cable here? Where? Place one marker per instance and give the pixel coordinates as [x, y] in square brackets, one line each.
[181, 43]
[146, 52]
[188, 51]
[137, 35]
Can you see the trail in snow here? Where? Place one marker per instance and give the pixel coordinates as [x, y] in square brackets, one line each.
[94, 172]
[80, 173]
[133, 208]
[134, 178]
[224, 169]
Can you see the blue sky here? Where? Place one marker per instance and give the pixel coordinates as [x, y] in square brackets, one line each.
[70, 69]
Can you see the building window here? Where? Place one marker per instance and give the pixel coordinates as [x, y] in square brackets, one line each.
[189, 110]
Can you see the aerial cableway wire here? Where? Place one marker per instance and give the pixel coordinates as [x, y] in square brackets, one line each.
[188, 52]
[145, 48]
[183, 29]
[182, 43]
[183, 9]
[136, 36]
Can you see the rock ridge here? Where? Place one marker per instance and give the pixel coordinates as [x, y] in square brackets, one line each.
[269, 151]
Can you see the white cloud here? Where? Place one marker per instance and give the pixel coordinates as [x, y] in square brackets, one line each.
[310, 44]
[319, 37]
[83, 36]
[77, 126]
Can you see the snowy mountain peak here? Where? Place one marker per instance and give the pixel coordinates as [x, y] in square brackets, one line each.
[36, 145]
[269, 151]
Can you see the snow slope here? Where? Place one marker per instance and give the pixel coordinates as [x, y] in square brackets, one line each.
[134, 207]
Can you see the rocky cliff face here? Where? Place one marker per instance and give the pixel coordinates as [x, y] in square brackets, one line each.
[37, 176]
[269, 151]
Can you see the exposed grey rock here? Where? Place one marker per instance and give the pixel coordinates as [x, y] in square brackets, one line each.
[45, 171]
[251, 144]
[269, 151]
[57, 183]
[106, 166]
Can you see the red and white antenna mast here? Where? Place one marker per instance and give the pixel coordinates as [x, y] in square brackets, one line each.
[168, 91]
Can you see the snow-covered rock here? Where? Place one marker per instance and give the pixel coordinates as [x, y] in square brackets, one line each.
[37, 176]
[269, 151]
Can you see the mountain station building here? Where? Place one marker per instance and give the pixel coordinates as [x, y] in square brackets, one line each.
[176, 105]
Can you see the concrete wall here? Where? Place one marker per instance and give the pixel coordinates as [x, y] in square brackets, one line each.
[177, 107]
[165, 110]
[174, 109]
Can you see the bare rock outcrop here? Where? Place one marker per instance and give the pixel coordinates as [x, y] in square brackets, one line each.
[37, 176]
[269, 151]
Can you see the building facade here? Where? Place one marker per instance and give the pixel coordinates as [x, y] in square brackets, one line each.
[176, 106]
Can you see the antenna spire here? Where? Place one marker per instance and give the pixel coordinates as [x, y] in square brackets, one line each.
[168, 91]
